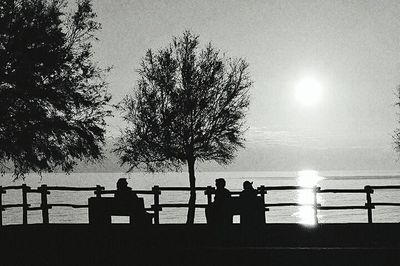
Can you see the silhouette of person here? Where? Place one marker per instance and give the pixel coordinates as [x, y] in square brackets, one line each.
[248, 193]
[124, 192]
[222, 208]
[219, 210]
[128, 199]
[249, 204]
[222, 195]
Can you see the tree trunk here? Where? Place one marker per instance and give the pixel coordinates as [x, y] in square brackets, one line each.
[192, 199]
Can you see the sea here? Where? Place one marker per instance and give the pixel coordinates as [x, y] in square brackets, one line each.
[234, 181]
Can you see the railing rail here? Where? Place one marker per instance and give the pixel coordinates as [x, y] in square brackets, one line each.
[62, 188]
[157, 207]
[385, 187]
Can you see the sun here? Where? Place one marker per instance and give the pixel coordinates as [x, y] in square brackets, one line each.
[308, 91]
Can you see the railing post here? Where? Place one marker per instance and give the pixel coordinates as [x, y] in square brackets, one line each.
[156, 191]
[25, 206]
[209, 192]
[44, 205]
[369, 191]
[98, 191]
[1, 205]
[263, 191]
[315, 191]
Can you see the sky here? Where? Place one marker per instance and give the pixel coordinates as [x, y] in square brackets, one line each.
[351, 48]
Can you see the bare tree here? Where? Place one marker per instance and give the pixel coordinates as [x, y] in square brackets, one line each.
[53, 97]
[189, 105]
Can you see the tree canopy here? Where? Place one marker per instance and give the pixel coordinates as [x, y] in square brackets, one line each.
[189, 105]
[53, 96]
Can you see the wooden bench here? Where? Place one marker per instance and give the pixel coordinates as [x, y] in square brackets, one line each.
[250, 214]
[101, 210]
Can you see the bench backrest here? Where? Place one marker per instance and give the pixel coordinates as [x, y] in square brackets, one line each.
[113, 206]
[236, 204]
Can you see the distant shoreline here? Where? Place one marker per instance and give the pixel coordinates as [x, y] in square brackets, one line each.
[329, 174]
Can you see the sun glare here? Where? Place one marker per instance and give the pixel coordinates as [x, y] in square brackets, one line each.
[307, 178]
[308, 91]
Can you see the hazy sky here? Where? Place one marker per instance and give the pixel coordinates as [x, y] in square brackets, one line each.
[352, 48]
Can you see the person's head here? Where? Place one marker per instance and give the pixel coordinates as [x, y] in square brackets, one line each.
[220, 183]
[247, 185]
[122, 184]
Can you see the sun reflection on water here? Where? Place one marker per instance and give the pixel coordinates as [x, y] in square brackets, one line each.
[309, 179]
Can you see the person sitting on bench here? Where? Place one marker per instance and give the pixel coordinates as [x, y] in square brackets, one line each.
[127, 198]
[124, 193]
[222, 195]
[248, 193]
[219, 212]
[252, 212]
